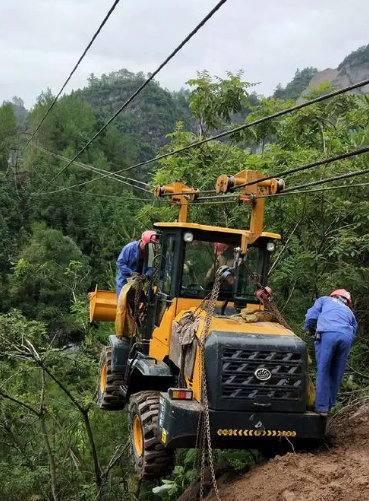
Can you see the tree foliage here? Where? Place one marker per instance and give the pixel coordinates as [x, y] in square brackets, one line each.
[297, 85]
[60, 238]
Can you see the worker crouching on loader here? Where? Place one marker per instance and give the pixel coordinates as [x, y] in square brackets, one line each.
[335, 326]
[132, 273]
[131, 259]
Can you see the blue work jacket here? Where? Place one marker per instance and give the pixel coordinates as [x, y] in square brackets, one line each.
[329, 314]
[127, 263]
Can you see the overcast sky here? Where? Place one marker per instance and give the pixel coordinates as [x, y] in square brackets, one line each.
[40, 40]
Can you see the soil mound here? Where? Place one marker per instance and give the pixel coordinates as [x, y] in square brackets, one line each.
[339, 471]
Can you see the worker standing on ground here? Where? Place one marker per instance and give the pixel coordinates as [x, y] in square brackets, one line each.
[335, 326]
[131, 259]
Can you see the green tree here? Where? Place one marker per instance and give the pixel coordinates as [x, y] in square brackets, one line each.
[297, 85]
[48, 276]
[8, 135]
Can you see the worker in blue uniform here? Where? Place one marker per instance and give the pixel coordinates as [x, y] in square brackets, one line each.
[335, 326]
[131, 259]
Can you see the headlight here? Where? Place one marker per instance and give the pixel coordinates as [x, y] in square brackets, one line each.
[270, 246]
[188, 237]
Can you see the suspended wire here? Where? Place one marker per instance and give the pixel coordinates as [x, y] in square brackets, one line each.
[328, 180]
[293, 189]
[282, 194]
[140, 89]
[217, 202]
[119, 178]
[89, 166]
[259, 121]
[308, 192]
[111, 10]
[91, 181]
[290, 171]
[318, 163]
[311, 165]
[213, 197]
[98, 195]
[188, 193]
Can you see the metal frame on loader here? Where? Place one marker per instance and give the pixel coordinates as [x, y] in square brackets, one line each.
[254, 392]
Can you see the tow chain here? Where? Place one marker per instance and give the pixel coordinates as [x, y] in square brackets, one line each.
[269, 304]
[273, 308]
[204, 431]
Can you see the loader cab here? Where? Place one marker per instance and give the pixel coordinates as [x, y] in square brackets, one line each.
[192, 253]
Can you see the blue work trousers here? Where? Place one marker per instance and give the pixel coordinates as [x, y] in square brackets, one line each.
[331, 356]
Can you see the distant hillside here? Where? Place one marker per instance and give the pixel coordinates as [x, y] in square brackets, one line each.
[297, 85]
[353, 69]
[148, 118]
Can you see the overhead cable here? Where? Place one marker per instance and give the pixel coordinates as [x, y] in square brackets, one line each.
[311, 165]
[259, 121]
[102, 24]
[91, 181]
[89, 166]
[140, 89]
[98, 195]
[282, 194]
[328, 180]
[309, 192]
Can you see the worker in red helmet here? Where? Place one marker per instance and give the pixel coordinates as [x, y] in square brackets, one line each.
[335, 326]
[131, 259]
[224, 256]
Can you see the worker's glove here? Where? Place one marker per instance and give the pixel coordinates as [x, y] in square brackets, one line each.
[147, 276]
[312, 332]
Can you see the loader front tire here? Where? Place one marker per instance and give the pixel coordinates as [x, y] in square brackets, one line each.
[151, 459]
[109, 394]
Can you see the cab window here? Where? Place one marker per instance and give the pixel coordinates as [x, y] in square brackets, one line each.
[167, 265]
[201, 262]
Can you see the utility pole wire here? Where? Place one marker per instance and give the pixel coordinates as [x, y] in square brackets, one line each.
[111, 10]
[118, 177]
[80, 164]
[140, 89]
[251, 124]
[311, 165]
[231, 198]
[309, 192]
[245, 126]
[327, 180]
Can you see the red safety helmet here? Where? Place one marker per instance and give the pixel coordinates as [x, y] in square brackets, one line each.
[220, 248]
[149, 237]
[343, 293]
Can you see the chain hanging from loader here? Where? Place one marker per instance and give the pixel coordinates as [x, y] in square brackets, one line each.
[204, 430]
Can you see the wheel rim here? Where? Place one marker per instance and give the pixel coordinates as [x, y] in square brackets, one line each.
[137, 436]
[103, 378]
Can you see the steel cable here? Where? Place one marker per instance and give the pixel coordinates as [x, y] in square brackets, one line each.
[140, 89]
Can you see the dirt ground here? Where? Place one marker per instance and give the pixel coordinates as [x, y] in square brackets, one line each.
[338, 472]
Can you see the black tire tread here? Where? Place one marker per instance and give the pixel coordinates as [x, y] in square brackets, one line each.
[157, 461]
[111, 399]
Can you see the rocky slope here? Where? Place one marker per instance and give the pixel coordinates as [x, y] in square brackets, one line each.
[353, 69]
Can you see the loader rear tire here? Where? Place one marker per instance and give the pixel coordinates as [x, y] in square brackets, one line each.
[109, 394]
[151, 459]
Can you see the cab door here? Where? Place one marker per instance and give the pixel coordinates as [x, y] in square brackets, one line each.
[166, 297]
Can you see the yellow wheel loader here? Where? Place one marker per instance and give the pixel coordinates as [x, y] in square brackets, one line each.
[204, 356]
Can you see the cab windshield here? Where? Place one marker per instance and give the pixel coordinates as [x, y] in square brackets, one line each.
[202, 258]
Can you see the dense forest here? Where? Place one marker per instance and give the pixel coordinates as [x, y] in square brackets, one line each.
[60, 239]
